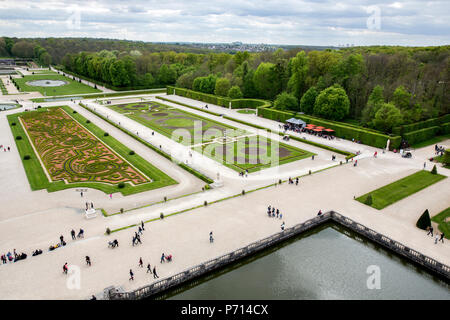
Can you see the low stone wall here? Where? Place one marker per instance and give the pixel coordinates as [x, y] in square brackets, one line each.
[200, 270]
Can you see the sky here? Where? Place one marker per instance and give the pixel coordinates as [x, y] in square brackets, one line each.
[294, 22]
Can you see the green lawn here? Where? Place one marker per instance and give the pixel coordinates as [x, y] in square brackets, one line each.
[73, 87]
[247, 111]
[400, 189]
[38, 179]
[444, 225]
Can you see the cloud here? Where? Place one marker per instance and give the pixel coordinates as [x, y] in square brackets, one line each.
[318, 22]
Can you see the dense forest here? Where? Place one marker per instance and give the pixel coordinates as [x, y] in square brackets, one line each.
[379, 87]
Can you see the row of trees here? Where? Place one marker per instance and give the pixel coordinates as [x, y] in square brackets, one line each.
[412, 81]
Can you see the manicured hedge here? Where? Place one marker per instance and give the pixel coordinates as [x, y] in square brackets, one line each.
[249, 104]
[208, 98]
[219, 101]
[445, 128]
[422, 125]
[421, 135]
[366, 136]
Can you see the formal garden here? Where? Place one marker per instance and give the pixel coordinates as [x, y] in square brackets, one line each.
[52, 85]
[61, 149]
[251, 153]
[170, 122]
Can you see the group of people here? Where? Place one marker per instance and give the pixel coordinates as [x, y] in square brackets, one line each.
[13, 257]
[272, 212]
[243, 173]
[5, 148]
[72, 233]
[437, 237]
[291, 181]
[439, 150]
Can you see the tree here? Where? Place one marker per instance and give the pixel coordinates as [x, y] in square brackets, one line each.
[235, 93]
[424, 221]
[222, 87]
[23, 49]
[332, 103]
[308, 99]
[368, 200]
[118, 74]
[186, 80]
[401, 98]
[387, 117]
[286, 101]
[167, 75]
[263, 79]
[299, 70]
[376, 100]
[434, 170]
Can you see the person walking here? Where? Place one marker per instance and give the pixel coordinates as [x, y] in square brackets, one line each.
[296, 181]
[162, 258]
[142, 225]
[65, 268]
[141, 264]
[424, 165]
[72, 233]
[436, 238]
[211, 239]
[61, 239]
[430, 231]
[139, 230]
[282, 226]
[149, 268]
[442, 237]
[110, 196]
[88, 261]
[154, 273]
[131, 275]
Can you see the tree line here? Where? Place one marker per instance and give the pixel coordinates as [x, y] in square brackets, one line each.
[379, 87]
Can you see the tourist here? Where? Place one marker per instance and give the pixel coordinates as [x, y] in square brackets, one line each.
[110, 196]
[80, 234]
[72, 233]
[278, 212]
[319, 213]
[65, 268]
[141, 263]
[138, 239]
[142, 225]
[131, 275]
[436, 238]
[88, 261]
[211, 239]
[296, 181]
[312, 157]
[430, 230]
[81, 193]
[139, 230]
[61, 238]
[442, 237]
[154, 273]
[149, 268]
[282, 226]
[424, 165]
[375, 154]
[169, 258]
[93, 297]
[281, 216]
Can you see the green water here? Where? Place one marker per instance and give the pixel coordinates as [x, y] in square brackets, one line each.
[327, 263]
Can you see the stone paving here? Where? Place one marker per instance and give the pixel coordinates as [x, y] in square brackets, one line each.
[30, 220]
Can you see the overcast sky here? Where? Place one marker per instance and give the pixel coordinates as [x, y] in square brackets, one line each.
[307, 22]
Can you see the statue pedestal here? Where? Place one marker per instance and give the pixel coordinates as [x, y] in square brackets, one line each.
[217, 184]
[90, 213]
